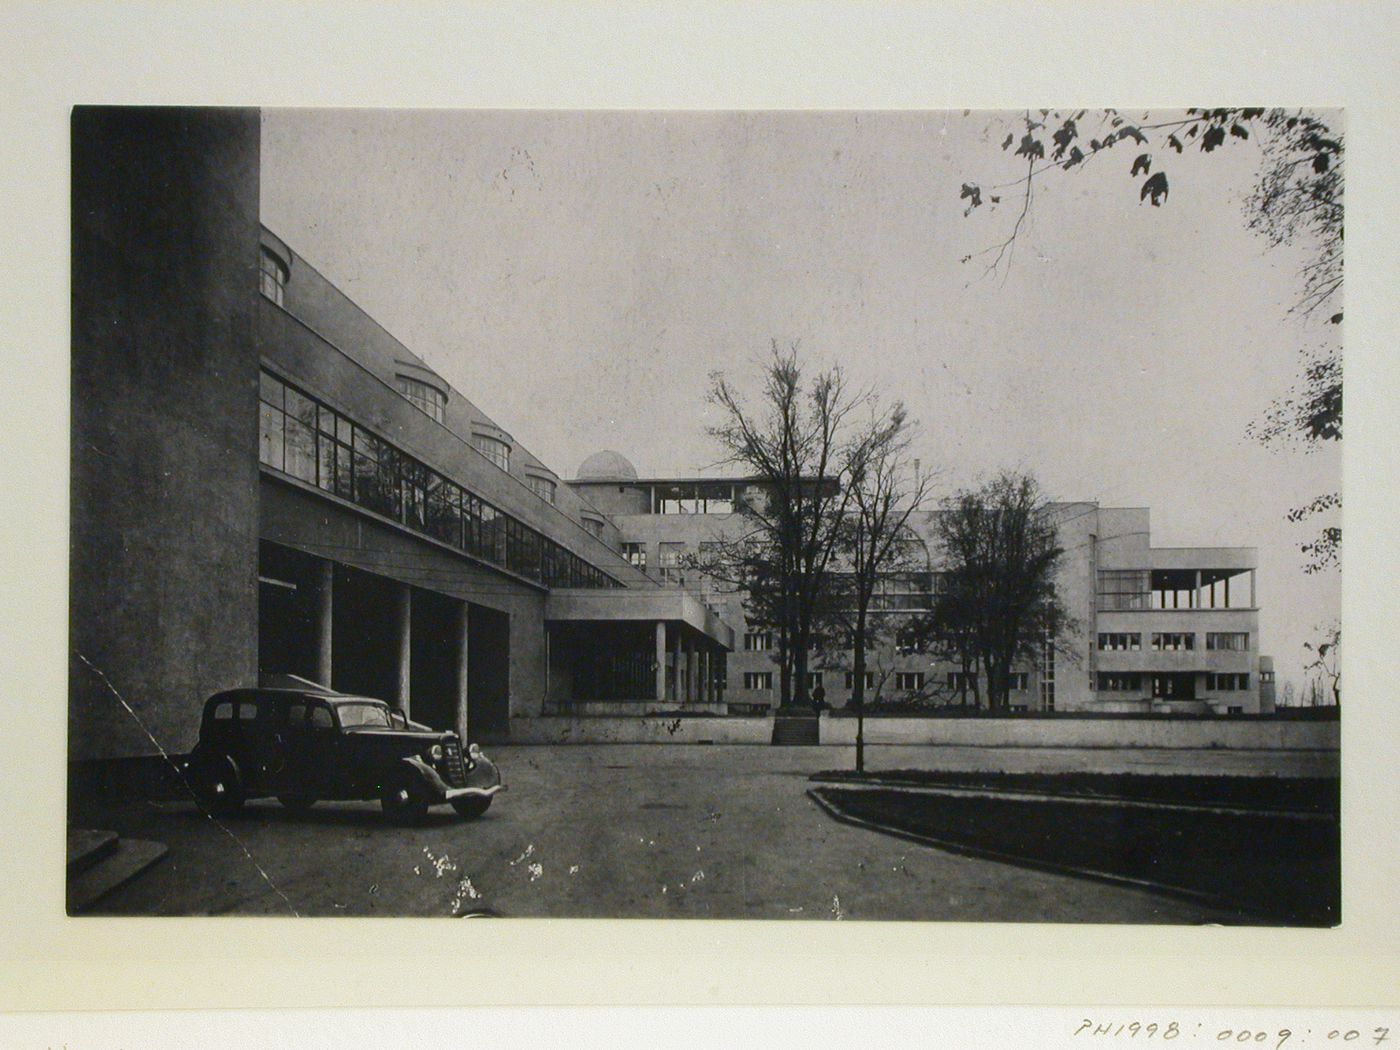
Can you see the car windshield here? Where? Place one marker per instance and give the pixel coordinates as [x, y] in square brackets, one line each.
[353, 716]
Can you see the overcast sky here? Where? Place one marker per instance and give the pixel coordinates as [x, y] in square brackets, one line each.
[579, 275]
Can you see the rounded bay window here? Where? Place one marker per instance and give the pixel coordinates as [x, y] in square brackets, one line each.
[493, 443]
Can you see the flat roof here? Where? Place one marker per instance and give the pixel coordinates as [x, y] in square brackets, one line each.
[661, 604]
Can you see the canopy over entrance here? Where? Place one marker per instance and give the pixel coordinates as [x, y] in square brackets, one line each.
[631, 652]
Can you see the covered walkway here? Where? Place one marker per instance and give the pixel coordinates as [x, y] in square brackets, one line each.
[629, 652]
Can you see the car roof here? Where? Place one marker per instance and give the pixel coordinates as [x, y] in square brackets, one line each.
[299, 694]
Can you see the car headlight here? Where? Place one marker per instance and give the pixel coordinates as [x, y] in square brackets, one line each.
[473, 752]
[435, 752]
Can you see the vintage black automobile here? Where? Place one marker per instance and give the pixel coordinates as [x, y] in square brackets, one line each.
[304, 746]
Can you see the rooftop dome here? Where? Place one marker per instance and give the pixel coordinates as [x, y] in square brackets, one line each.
[607, 466]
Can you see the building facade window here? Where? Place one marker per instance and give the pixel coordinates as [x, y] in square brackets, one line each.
[719, 671]
[594, 527]
[893, 592]
[759, 680]
[869, 679]
[544, 488]
[903, 592]
[1125, 589]
[909, 681]
[1019, 681]
[636, 555]
[669, 562]
[814, 679]
[309, 441]
[427, 399]
[1112, 682]
[910, 638]
[272, 276]
[494, 449]
[710, 566]
[1228, 641]
[1173, 642]
[758, 641]
[693, 497]
[1120, 642]
[960, 681]
[1169, 686]
[1231, 682]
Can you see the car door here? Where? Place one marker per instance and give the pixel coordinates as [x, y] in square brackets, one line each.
[262, 722]
[311, 750]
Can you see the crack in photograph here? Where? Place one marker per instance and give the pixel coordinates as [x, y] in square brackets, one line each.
[819, 515]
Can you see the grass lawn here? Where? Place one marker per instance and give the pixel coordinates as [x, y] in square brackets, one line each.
[1280, 868]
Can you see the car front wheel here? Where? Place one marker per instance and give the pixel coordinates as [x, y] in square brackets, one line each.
[217, 783]
[471, 806]
[402, 800]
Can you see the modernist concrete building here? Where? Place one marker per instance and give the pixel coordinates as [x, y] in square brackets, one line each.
[1156, 629]
[265, 482]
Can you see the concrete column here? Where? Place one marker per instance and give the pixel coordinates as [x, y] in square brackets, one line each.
[661, 661]
[462, 690]
[703, 670]
[1196, 594]
[403, 624]
[325, 622]
[676, 665]
[1253, 598]
[689, 673]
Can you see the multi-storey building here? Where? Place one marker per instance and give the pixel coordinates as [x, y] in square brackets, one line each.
[265, 482]
[1152, 629]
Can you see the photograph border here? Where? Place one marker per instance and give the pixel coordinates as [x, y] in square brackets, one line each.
[689, 57]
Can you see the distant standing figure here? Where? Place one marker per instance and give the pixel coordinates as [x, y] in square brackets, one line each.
[819, 698]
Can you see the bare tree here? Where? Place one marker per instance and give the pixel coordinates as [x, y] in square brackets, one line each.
[950, 632]
[1001, 552]
[795, 443]
[886, 487]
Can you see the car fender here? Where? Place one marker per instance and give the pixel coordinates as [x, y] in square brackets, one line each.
[483, 779]
[432, 783]
[483, 774]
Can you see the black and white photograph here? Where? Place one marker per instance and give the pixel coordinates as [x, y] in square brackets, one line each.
[804, 515]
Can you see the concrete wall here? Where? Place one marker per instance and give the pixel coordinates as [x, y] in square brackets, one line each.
[645, 730]
[1087, 732]
[945, 732]
[942, 732]
[164, 420]
[617, 498]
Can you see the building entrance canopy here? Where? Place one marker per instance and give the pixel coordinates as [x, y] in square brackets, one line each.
[621, 649]
[693, 619]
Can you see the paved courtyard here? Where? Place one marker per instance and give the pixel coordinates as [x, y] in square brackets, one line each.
[637, 831]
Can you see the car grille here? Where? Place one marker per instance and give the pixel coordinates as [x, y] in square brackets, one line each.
[456, 772]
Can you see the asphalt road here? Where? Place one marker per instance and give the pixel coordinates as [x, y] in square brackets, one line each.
[623, 831]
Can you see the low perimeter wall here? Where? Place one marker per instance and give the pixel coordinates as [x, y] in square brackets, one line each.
[645, 729]
[1263, 735]
[945, 732]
